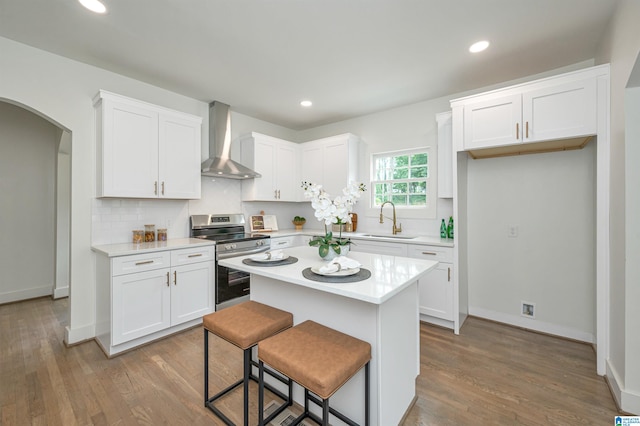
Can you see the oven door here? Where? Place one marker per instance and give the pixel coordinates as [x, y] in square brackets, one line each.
[233, 286]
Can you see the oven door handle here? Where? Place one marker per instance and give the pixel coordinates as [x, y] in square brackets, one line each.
[222, 256]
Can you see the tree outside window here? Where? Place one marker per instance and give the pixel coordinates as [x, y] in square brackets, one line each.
[401, 177]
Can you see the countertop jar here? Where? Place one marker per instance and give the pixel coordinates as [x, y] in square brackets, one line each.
[138, 236]
[149, 233]
[162, 234]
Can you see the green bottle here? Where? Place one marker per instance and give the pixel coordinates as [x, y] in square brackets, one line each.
[449, 227]
[443, 230]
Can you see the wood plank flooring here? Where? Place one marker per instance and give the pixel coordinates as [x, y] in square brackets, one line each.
[490, 374]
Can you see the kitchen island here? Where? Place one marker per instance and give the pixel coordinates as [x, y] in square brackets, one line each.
[382, 310]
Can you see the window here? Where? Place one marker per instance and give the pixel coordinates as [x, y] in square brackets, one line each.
[402, 177]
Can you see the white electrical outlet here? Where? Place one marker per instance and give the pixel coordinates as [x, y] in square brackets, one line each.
[512, 231]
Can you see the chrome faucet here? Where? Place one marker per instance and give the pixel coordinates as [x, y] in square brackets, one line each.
[395, 228]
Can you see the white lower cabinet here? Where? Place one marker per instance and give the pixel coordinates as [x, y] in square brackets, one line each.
[436, 288]
[146, 296]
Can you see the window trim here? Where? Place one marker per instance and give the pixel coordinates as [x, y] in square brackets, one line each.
[409, 212]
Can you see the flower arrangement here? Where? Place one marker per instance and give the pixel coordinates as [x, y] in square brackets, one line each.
[336, 211]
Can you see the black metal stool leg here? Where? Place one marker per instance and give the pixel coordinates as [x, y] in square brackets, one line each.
[206, 366]
[247, 374]
[367, 399]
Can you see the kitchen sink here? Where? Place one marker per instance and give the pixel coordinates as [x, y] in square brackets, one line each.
[399, 237]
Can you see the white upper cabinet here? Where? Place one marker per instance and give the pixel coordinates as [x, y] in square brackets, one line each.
[277, 161]
[331, 162]
[445, 155]
[146, 151]
[492, 122]
[555, 108]
[564, 111]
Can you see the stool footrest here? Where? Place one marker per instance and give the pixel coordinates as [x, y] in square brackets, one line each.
[333, 411]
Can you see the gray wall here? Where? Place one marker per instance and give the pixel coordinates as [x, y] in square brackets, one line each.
[28, 152]
[551, 199]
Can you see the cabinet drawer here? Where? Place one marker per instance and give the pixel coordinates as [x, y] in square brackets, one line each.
[441, 254]
[192, 255]
[140, 262]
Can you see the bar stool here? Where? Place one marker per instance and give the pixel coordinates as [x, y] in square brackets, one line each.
[244, 325]
[318, 358]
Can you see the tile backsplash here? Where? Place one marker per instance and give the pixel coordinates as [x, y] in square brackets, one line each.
[113, 219]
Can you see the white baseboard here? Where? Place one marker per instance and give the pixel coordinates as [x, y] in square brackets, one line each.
[80, 334]
[533, 324]
[60, 292]
[628, 402]
[29, 293]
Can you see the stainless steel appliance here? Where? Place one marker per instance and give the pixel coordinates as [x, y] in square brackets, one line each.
[228, 232]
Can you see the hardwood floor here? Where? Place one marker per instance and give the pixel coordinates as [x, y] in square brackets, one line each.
[490, 374]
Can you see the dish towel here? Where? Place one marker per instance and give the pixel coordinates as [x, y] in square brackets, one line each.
[339, 263]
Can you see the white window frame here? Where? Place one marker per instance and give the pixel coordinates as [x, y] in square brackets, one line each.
[409, 212]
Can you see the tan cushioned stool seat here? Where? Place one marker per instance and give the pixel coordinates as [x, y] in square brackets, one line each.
[317, 357]
[246, 324]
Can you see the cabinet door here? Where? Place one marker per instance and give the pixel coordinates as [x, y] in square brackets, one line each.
[558, 112]
[312, 163]
[179, 158]
[141, 305]
[436, 292]
[287, 181]
[336, 167]
[493, 122]
[129, 151]
[265, 164]
[445, 155]
[191, 291]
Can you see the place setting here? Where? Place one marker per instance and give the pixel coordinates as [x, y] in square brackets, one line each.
[270, 258]
[341, 269]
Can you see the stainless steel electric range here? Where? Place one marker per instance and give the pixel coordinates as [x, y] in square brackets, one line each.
[228, 232]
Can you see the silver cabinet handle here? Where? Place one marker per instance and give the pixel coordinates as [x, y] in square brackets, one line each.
[527, 129]
[175, 277]
[162, 187]
[430, 253]
[195, 255]
[517, 131]
[449, 274]
[155, 188]
[167, 279]
[146, 262]
[275, 194]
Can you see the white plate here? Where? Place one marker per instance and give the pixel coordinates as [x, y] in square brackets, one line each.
[263, 258]
[340, 273]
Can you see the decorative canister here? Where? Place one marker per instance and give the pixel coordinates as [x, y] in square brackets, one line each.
[162, 234]
[149, 233]
[138, 236]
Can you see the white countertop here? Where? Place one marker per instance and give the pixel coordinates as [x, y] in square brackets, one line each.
[379, 236]
[125, 249]
[389, 274]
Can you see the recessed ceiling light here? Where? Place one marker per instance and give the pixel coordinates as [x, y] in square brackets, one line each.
[479, 46]
[306, 103]
[94, 5]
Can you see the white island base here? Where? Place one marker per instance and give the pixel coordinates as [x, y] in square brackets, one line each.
[382, 310]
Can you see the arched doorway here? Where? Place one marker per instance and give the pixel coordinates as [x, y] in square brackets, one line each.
[35, 181]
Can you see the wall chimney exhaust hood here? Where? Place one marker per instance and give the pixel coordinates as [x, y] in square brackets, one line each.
[219, 163]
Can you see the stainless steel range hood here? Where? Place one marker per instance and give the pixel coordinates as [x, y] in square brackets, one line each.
[219, 164]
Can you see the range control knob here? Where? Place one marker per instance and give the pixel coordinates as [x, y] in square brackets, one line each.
[228, 246]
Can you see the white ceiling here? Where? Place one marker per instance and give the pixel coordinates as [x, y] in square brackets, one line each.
[350, 57]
